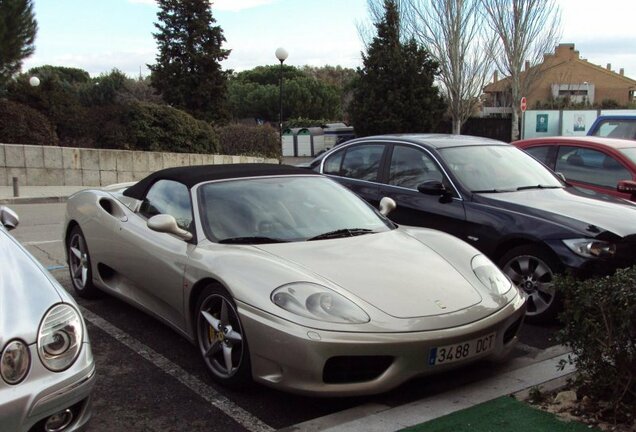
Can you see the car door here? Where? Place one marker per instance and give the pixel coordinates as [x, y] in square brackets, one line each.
[153, 263]
[592, 169]
[357, 166]
[408, 166]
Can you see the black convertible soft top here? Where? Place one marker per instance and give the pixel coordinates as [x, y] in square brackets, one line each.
[192, 175]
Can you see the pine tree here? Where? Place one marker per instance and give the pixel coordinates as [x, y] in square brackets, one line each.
[17, 36]
[394, 91]
[188, 72]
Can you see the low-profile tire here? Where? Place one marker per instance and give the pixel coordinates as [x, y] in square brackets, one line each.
[79, 265]
[532, 269]
[221, 338]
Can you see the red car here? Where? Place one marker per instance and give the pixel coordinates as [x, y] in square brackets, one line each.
[605, 165]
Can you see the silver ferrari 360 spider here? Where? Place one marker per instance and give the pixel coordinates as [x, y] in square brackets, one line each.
[281, 275]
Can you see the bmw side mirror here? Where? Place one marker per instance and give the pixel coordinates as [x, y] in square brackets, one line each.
[8, 218]
[432, 187]
[168, 224]
[387, 205]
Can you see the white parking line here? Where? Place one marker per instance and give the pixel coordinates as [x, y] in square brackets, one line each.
[238, 414]
[36, 243]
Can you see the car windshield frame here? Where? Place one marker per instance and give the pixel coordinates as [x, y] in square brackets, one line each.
[491, 168]
[281, 209]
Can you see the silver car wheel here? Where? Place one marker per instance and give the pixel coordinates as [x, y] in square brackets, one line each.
[220, 336]
[78, 260]
[79, 265]
[534, 277]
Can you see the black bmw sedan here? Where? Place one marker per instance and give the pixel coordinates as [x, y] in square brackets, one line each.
[495, 197]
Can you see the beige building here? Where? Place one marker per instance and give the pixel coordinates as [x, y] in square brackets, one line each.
[564, 74]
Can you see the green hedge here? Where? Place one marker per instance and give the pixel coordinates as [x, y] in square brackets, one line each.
[155, 127]
[262, 141]
[599, 320]
[21, 124]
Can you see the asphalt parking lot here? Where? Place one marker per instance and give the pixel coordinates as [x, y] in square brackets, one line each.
[152, 379]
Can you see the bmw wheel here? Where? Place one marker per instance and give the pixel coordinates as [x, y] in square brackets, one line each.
[79, 265]
[221, 337]
[532, 269]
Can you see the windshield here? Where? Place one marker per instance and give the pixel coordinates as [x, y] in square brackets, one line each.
[615, 128]
[281, 209]
[630, 153]
[497, 168]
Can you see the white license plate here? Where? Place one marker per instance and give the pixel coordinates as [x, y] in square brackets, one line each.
[462, 350]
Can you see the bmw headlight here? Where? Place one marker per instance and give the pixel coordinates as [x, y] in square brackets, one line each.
[15, 361]
[318, 302]
[60, 337]
[590, 248]
[490, 275]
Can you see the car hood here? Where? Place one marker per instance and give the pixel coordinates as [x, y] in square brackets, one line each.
[392, 271]
[569, 208]
[26, 292]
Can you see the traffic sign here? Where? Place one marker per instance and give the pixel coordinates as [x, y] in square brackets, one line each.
[523, 104]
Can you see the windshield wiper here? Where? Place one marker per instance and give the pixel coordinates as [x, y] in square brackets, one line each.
[539, 186]
[345, 232]
[251, 240]
[492, 191]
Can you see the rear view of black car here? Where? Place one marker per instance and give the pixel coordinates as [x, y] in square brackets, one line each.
[497, 198]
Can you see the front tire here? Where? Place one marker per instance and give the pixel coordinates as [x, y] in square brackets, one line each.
[532, 269]
[79, 265]
[221, 338]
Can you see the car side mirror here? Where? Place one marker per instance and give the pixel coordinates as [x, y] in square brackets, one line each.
[432, 187]
[387, 205]
[627, 186]
[168, 224]
[8, 218]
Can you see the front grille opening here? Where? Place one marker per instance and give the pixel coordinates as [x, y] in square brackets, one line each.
[352, 369]
[512, 331]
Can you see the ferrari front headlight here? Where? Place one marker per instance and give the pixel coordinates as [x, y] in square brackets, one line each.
[14, 362]
[490, 275]
[590, 248]
[60, 337]
[318, 302]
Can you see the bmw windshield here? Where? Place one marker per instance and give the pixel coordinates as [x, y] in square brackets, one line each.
[497, 168]
[284, 209]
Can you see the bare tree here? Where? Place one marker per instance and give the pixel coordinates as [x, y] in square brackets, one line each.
[526, 30]
[453, 32]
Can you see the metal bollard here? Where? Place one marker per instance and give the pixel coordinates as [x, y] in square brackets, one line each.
[16, 189]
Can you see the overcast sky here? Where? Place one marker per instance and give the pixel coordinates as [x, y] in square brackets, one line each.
[99, 35]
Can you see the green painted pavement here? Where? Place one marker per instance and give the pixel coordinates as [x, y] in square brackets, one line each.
[500, 415]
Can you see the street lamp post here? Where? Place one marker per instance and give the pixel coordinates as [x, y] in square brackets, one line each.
[281, 55]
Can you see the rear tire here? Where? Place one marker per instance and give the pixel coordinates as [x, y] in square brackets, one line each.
[79, 265]
[532, 269]
[221, 338]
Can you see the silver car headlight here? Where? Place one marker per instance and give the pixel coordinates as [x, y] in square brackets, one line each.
[590, 248]
[15, 362]
[318, 302]
[60, 337]
[490, 275]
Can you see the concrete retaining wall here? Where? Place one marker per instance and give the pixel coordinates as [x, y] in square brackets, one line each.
[65, 166]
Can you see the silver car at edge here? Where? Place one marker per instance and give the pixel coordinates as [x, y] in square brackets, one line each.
[46, 365]
[281, 275]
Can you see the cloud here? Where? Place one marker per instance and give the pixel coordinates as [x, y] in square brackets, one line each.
[223, 5]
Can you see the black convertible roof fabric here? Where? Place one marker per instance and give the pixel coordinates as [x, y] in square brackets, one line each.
[192, 175]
